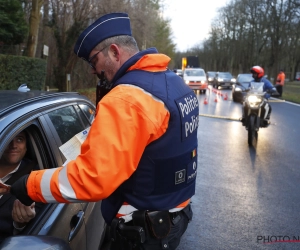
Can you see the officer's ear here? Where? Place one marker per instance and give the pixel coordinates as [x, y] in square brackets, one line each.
[114, 52]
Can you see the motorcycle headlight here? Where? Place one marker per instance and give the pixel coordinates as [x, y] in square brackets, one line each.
[187, 82]
[238, 89]
[254, 101]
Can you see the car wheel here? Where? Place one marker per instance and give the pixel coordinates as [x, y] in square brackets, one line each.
[234, 98]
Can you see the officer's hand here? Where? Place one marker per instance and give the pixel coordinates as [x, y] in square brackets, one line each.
[19, 190]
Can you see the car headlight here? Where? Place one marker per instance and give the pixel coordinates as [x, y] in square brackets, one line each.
[254, 101]
[187, 82]
[220, 79]
[210, 79]
[233, 80]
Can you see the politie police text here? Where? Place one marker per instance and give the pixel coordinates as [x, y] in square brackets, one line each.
[188, 107]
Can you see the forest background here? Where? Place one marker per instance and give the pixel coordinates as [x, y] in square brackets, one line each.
[244, 33]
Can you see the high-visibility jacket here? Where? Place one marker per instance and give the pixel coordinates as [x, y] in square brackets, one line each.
[130, 120]
[280, 78]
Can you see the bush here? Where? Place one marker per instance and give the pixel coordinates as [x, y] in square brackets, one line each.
[16, 70]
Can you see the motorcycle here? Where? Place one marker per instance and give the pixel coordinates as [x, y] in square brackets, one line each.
[255, 110]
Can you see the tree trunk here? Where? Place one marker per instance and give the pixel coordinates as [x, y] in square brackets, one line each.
[34, 22]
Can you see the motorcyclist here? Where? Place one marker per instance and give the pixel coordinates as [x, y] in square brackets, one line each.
[258, 76]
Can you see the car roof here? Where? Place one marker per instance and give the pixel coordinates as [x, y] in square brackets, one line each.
[15, 104]
[13, 98]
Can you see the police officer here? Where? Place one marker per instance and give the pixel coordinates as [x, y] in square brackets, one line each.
[258, 76]
[280, 82]
[140, 156]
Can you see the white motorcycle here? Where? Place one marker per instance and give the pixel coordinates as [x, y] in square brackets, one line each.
[255, 110]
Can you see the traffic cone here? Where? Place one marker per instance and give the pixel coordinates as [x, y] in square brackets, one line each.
[216, 99]
[225, 97]
[205, 101]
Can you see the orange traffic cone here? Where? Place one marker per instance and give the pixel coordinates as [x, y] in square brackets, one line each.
[225, 97]
[205, 101]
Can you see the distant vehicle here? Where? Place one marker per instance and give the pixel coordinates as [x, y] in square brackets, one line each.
[178, 72]
[239, 88]
[223, 79]
[210, 76]
[196, 79]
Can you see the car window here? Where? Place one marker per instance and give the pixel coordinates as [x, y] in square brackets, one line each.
[195, 73]
[66, 122]
[88, 111]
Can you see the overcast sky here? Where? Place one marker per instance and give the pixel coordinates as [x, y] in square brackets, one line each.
[191, 20]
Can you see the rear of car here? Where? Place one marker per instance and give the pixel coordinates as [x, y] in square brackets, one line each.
[240, 87]
[196, 79]
[223, 79]
[210, 77]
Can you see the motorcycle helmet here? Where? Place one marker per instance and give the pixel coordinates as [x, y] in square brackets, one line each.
[258, 70]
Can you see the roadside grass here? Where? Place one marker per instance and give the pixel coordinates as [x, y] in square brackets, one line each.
[291, 92]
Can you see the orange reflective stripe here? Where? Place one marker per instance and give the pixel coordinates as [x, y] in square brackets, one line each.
[34, 186]
[152, 63]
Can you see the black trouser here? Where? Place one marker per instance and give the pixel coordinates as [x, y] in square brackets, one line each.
[179, 222]
[279, 89]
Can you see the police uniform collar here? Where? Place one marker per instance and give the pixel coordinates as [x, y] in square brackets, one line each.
[131, 61]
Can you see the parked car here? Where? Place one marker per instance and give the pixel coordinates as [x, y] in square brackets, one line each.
[223, 79]
[196, 79]
[51, 119]
[210, 77]
[239, 88]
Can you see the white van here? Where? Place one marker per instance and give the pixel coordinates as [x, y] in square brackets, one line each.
[196, 79]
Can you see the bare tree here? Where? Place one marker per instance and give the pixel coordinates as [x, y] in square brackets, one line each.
[34, 22]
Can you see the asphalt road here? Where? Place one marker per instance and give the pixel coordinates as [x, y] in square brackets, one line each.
[246, 198]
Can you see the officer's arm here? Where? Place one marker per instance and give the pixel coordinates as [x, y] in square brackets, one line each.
[127, 120]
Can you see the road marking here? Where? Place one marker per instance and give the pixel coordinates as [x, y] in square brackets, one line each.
[221, 117]
[276, 100]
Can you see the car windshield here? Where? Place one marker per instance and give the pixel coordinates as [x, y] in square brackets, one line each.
[211, 74]
[225, 75]
[194, 72]
[245, 78]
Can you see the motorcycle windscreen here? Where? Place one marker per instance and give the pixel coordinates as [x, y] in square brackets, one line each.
[256, 87]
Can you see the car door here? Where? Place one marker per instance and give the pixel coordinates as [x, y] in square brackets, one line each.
[81, 224]
[62, 124]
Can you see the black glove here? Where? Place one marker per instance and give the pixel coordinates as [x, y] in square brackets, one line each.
[19, 190]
